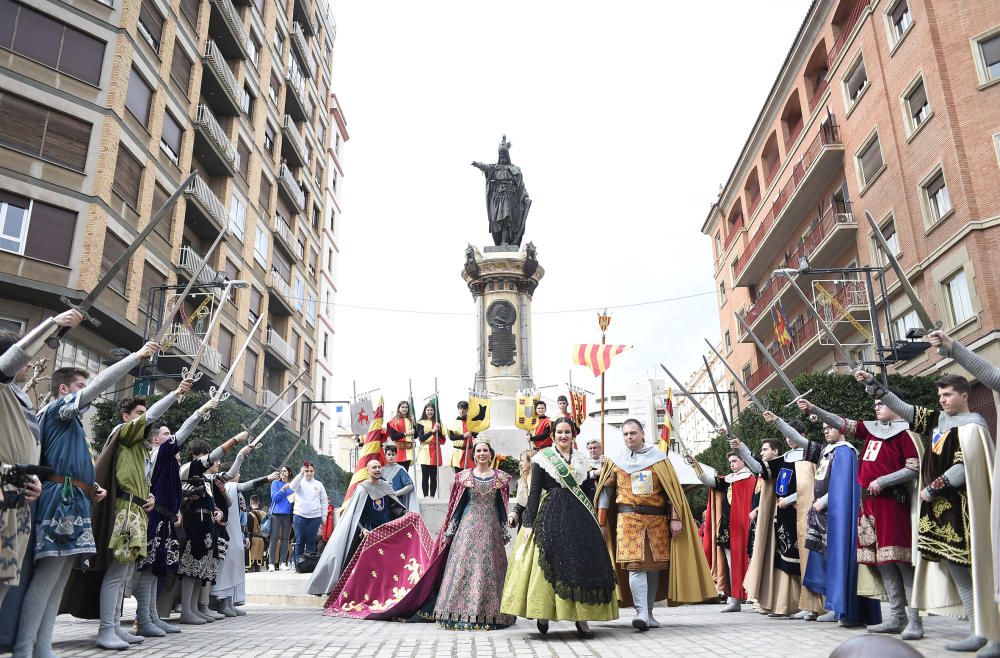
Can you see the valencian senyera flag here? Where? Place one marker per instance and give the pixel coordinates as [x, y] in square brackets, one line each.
[781, 333]
[597, 357]
[668, 422]
[372, 447]
[524, 411]
[478, 419]
[578, 405]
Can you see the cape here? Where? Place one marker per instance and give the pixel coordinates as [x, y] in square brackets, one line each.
[409, 500]
[933, 589]
[690, 581]
[740, 504]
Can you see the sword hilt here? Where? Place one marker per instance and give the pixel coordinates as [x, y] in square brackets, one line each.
[53, 341]
[799, 397]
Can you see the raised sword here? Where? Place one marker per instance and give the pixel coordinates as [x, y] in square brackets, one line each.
[746, 389]
[174, 305]
[844, 353]
[221, 393]
[774, 363]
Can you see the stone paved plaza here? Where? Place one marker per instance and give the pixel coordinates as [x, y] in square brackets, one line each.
[290, 631]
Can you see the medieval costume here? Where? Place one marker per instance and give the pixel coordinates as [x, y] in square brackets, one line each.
[560, 568]
[954, 570]
[400, 430]
[890, 457]
[402, 485]
[256, 558]
[461, 454]
[779, 561]
[541, 437]
[729, 504]
[470, 592]
[429, 457]
[639, 495]
[371, 505]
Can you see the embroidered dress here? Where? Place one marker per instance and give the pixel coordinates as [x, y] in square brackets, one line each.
[63, 524]
[162, 544]
[18, 446]
[944, 522]
[200, 548]
[470, 592]
[128, 539]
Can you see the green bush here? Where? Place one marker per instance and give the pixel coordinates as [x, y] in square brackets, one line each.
[227, 421]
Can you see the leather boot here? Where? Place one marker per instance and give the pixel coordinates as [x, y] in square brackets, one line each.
[896, 620]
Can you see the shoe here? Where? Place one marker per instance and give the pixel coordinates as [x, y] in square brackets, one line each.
[583, 630]
[208, 613]
[270, 568]
[775, 615]
[640, 624]
[914, 627]
[971, 643]
[148, 629]
[991, 650]
[829, 616]
[733, 605]
[543, 626]
[128, 637]
[164, 626]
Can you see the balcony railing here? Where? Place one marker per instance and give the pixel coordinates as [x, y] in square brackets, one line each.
[829, 134]
[232, 20]
[845, 32]
[207, 121]
[802, 332]
[734, 230]
[299, 42]
[187, 343]
[199, 190]
[279, 346]
[291, 133]
[275, 281]
[267, 398]
[284, 232]
[292, 187]
[191, 261]
[218, 65]
[820, 88]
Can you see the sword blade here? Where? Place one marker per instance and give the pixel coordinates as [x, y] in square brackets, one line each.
[295, 446]
[278, 417]
[718, 395]
[767, 355]
[239, 355]
[216, 317]
[822, 323]
[279, 398]
[683, 390]
[904, 283]
[168, 318]
[746, 389]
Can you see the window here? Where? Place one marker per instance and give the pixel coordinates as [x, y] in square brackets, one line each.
[905, 322]
[900, 20]
[165, 225]
[52, 238]
[260, 4]
[729, 342]
[959, 300]
[151, 278]
[14, 212]
[238, 216]
[869, 161]
[13, 326]
[51, 43]
[307, 357]
[917, 107]
[247, 102]
[855, 82]
[260, 245]
[326, 344]
[310, 310]
[329, 260]
[244, 153]
[128, 177]
[892, 238]
[253, 47]
[722, 293]
[40, 132]
[114, 247]
[279, 42]
[190, 10]
[151, 23]
[718, 243]
[250, 369]
[256, 300]
[269, 138]
[138, 98]
[225, 347]
[987, 52]
[180, 68]
[264, 192]
[273, 87]
[172, 135]
[300, 293]
[936, 195]
[280, 266]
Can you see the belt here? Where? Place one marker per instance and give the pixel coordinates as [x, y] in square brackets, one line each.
[642, 509]
[124, 495]
[164, 512]
[88, 489]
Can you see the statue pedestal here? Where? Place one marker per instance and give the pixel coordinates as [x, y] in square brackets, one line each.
[502, 281]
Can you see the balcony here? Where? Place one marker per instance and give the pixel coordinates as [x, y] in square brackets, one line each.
[277, 352]
[300, 14]
[299, 43]
[845, 32]
[818, 93]
[825, 240]
[267, 398]
[280, 294]
[226, 27]
[286, 238]
[186, 342]
[822, 157]
[205, 215]
[734, 230]
[293, 147]
[218, 83]
[212, 147]
[296, 99]
[291, 187]
[190, 262]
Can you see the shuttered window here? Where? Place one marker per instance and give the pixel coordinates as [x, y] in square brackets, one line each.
[163, 227]
[151, 23]
[138, 97]
[50, 234]
[250, 370]
[172, 135]
[244, 153]
[256, 299]
[151, 277]
[113, 248]
[225, 347]
[265, 193]
[128, 177]
[180, 68]
[42, 38]
[281, 265]
[190, 10]
[42, 132]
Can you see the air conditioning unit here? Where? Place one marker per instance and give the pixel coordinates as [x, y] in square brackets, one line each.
[843, 218]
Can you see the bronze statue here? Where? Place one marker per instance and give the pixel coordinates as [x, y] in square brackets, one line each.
[507, 201]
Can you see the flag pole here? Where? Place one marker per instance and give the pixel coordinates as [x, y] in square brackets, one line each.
[603, 320]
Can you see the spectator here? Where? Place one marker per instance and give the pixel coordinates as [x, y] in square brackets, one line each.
[281, 522]
[309, 509]
[255, 520]
[595, 462]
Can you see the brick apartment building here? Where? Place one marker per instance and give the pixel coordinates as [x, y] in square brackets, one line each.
[890, 107]
[105, 107]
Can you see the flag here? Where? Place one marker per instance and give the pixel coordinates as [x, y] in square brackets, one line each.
[372, 447]
[479, 413]
[578, 405]
[524, 411]
[781, 326]
[668, 422]
[361, 417]
[597, 357]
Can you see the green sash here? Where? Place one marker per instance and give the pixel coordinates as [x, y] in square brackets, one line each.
[566, 475]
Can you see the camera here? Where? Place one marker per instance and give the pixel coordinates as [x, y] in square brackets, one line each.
[16, 475]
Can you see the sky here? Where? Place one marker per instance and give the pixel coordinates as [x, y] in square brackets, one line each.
[624, 117]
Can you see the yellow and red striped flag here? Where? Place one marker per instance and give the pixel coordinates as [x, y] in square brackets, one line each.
[597, 357]
[372, 447]
[668, 422]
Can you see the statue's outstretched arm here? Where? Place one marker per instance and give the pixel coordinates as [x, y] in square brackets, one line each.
[482, 167]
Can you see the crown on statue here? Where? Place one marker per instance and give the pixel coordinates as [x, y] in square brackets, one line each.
[504, 145]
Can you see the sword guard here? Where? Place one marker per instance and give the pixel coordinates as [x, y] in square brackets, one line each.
[799, 397]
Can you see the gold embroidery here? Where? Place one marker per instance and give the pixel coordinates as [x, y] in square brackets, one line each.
[395, 578]
[402, 556]
[409, 535]
[866, 530]
[381, 552]
[940, 505]
[415, 569]
[353, 607]
[374, 574]
[366, 597]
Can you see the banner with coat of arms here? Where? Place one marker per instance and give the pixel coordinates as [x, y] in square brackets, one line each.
[524, 412]
[478, 419]
[362, 413]
[578, 405]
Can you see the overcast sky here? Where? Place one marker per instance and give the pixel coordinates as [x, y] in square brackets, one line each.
[625, 117]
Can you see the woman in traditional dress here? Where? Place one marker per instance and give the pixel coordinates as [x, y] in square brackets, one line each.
[469, 595]
[523, 487]
[431, 437]
[401, 431]
[561, 568]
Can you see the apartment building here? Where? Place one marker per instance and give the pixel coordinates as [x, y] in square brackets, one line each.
[886, 107]
[105, 107]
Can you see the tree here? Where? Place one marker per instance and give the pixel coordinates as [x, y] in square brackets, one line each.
[225, 422]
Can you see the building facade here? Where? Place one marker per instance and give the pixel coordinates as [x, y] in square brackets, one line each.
[639, 400]
[105, 107]
[882, 107]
